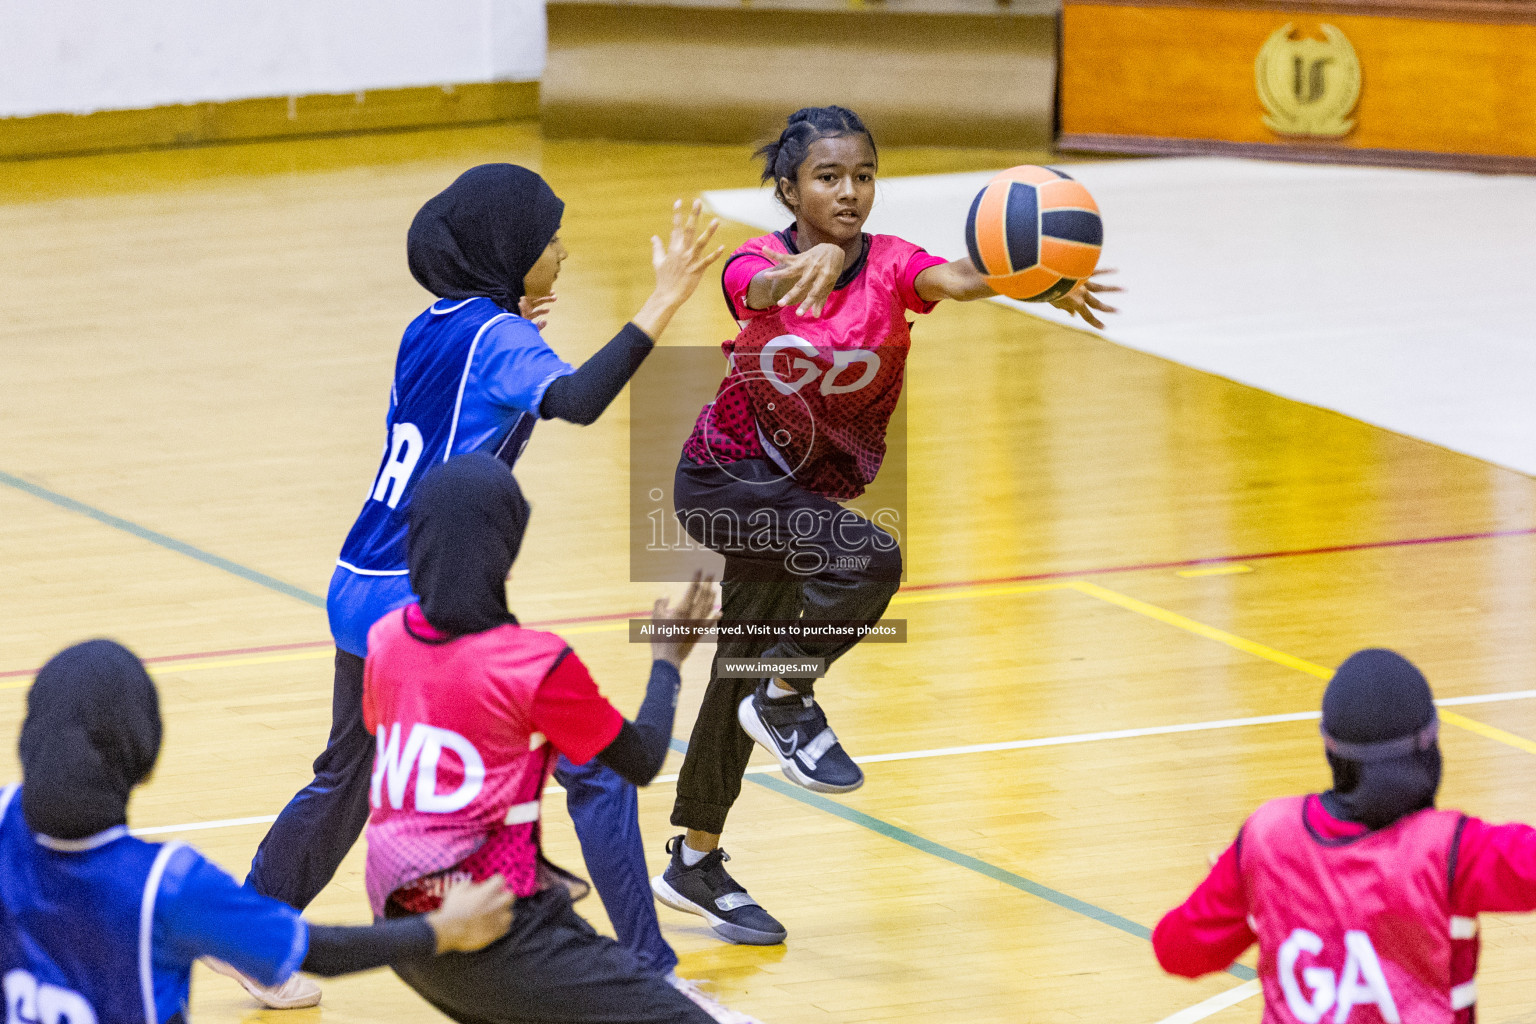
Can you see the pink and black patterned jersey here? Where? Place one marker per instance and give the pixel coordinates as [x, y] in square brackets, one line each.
[815, 394]
[467, 729]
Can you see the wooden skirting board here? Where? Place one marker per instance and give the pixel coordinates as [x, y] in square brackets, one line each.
[1440, 83]
[1142, 145]
[268, 118]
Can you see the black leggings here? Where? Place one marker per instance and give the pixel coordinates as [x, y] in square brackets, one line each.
[313, 834]
[789, 553]
[551, 968]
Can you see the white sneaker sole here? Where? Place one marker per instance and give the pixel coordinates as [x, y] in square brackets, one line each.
[301, 992]
[753, 726]
[719, 925]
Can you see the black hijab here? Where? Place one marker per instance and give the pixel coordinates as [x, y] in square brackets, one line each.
[465, 525]
[482, 234]
[91, 734]
[1379, 732]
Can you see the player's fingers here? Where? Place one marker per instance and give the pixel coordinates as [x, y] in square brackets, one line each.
[1101, 306]
[658, 251]
[703, 264]
[784, 271]
[818, 294]
[691, 225]
[702, 242]
[703, 595]
[797, 291]
[813, 284]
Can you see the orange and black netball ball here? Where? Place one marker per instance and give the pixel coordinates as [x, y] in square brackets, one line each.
[1033, 233]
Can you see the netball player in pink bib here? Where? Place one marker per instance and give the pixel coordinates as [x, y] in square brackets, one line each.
[470, 711]
[1363, 899]
[797, 427]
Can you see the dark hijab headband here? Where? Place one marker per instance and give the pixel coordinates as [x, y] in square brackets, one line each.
[91, 734]
[465, 526]
[482, 234]
[1380, 733]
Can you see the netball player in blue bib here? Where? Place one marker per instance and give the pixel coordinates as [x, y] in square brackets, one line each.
[473, 374]
[97, 927]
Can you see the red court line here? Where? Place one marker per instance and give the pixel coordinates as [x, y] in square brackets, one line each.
[196, 655]
[950, 585]
[1226, 559]
[238, 651]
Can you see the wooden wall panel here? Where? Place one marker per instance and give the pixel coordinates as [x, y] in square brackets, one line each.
[711, 73]
[1187, 73]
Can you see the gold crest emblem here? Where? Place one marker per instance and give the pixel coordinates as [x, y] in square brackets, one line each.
[1309, 86]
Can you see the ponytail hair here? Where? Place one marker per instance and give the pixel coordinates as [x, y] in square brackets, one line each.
[782, 159]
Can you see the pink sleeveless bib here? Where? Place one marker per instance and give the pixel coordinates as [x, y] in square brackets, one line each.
[1356, 931]
[459, 768]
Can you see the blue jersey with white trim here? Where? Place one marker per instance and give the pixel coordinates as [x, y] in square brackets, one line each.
[469, 377]
[103, 930]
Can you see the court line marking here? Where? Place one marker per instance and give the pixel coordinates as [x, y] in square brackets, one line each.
[1086, 587]
[283, 587]
[875, 824]
[957, 858]
[1279, 657]
[974, 748]
[190, 662]
[964, 860]
[1332, 549]
[1215, 1004]
[1227, 569]
[163, 540]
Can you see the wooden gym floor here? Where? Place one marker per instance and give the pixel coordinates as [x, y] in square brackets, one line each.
[197, 347]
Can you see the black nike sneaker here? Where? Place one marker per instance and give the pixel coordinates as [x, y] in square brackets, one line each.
[796, 732]
[707, 890]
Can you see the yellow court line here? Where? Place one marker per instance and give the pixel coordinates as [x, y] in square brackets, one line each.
[979, 590]
[1200, 629]
[1268, 653]
[1215, 570]
[1487, 731]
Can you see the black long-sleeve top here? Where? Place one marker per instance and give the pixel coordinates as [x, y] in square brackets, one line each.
[582, 396]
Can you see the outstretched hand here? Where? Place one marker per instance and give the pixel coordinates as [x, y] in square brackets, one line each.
[680, 262]
[811, 275]
[696, 608]
[1083, 299]
[536, 310]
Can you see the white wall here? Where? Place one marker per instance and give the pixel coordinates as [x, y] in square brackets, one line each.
[77, 56]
